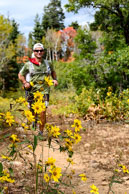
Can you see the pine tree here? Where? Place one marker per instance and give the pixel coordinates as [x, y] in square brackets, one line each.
[38, 32]
[11, 46]
[15, 32]
[53, 16]
[30, 40]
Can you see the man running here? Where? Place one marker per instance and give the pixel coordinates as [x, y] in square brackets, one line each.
[35, 71]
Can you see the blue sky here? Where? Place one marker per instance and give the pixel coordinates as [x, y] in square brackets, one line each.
[24, 12]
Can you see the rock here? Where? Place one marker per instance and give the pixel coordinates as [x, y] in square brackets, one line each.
[17, 163]
[87, 145]
[104, 183]
[94, 164]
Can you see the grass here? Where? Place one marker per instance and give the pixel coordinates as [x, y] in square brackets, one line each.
[64, 102]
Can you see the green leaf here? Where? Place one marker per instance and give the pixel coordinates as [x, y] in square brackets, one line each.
[12, 153]
[7, 135]
[23, 142]
[11, 171]
[49, 142]
[62, 148]
[70, 154]
[35, 142]
[1, 167]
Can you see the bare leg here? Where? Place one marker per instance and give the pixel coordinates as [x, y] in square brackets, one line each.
[43, 120]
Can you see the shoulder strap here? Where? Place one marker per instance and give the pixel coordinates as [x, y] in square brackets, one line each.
[31, 67]
[48, 67]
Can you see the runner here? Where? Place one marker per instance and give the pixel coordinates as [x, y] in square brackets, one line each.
[35, 71]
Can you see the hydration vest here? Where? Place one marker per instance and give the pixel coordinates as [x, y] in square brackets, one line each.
[33, 72]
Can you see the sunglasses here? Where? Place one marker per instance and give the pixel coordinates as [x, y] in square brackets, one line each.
[38, 51]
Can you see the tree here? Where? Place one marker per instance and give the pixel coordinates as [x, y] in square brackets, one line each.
[30, 44]
[85, 44]
[112, 70]
[15, 32]
[9, 50]
[11, 78]
[67, 41]
[53, 44]
[75, 25]
[30, 40]
[53, 16]
[112, 15]
[38, 32]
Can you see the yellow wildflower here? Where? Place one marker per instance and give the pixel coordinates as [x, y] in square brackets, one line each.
[48, 81]
[38, 96]
[9, 118]
[29, 115]
[69, 132]
[70, 161]
[68, 144]
[5, 157]
[6, 177]
[68, 141]
[109, 93]
[9, 180]
[24, 126]
[12, 145]
[14, 138]
[125, 170]
[5, 172]
[55, 173]
[55, 131]
[48, 128]
[43, 106]
[32, 84]
[46, 177]
[77, 125]
[50, 161]
[39, 166]
[38, 107]
[83, 177]
[30, 147]
[77, 137]
[22, 100]
[39, 122]
[94, 189]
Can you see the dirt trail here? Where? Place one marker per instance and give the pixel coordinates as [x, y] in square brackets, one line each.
[104, 145]
[61, 158]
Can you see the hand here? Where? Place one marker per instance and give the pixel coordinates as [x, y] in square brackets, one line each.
[27, 85]
[55, 82]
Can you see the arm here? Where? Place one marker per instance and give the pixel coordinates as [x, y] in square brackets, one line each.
[23, 80]
[53, 74]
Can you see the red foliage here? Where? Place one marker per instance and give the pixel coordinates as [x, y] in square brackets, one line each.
[68, 34]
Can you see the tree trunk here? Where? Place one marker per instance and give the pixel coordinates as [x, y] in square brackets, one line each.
[50, 55]
[126, 33]
[53, 55]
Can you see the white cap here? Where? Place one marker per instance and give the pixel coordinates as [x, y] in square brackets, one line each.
[38, 45]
